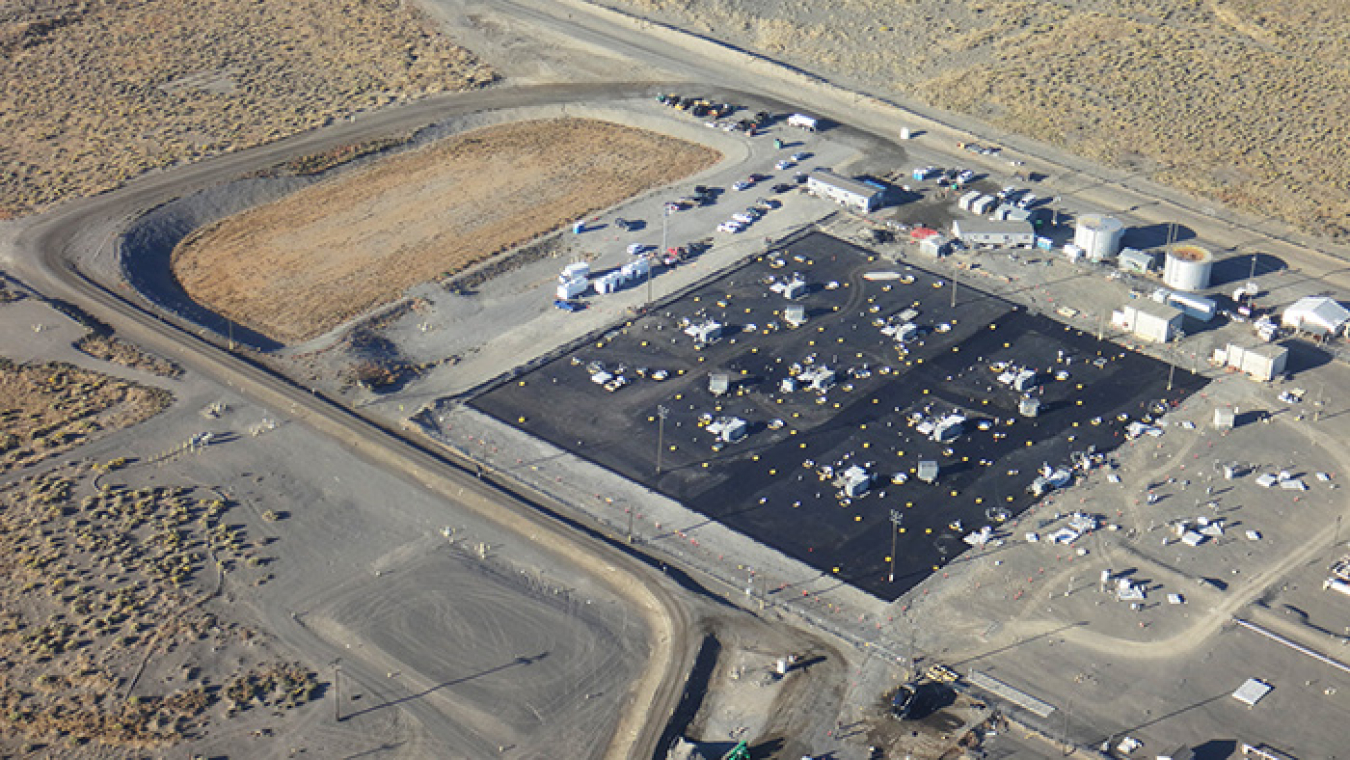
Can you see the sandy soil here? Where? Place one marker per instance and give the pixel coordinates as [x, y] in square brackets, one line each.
[98, 92]
[299, 267]
[112, 641]
[1225, 98]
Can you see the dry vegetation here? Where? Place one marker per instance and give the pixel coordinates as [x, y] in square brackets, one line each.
[111, 349]
[47, 409]
[97, 91]
[303, 265]
[1237, 100]
[106, 631]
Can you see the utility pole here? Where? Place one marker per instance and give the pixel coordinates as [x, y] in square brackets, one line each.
[661, 413]
[897, 517]
[337, 697]
[630, 523]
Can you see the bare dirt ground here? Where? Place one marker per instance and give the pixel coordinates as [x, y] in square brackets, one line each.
[98, 92]
[1224, 98]
[47, 409]
[301, 266]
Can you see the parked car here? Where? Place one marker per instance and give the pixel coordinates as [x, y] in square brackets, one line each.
[742, 185]
[742, 217]
[769, 203]
[782, 187]
[784, 165]
[965, 176]
[1026, 201]
[623, 224]
[730, 227]
[800, 156]
[569, 306]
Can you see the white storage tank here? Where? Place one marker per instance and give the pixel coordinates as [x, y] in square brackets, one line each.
[1187, 268]
[1099, 236]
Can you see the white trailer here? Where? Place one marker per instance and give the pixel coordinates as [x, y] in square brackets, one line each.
[802, 121]
[569, 289]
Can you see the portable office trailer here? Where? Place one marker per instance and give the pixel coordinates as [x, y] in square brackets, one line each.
[851, 193]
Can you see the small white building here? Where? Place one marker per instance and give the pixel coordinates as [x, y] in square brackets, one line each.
[1134, 260]
[1006, 234]
[1263, 362]
[1318, 315]
[850, 193]
[936, 246]
[1153, 322]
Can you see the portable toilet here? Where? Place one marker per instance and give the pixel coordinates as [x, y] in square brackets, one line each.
[719, 383]
[928, 471]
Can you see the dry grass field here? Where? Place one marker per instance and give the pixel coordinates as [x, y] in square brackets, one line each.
[1237, 100]
[118, 351]
[48, 409]
[98, 91]
[299, 267]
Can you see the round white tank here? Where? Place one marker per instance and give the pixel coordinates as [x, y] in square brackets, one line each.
[1099, 236]
[1187, 268]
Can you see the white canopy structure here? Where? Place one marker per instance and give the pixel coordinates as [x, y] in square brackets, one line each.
[1316, 314]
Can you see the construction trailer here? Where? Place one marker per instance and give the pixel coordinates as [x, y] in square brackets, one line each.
[1006, 234]
[850, 193]
[1153, 322]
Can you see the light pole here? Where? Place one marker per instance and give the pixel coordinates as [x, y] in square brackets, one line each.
[665, 225]
[896, 518]
[661, 413]
[956, 281]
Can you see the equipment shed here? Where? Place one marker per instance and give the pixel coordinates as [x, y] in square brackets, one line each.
[1262, 362]
[1152, 322]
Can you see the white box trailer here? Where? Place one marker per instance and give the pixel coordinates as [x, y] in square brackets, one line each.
[802, 121]
[569, 289]
[1195, 307]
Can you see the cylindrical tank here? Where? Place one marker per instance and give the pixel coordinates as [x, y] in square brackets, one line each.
[1187, 268]
[1098, 236]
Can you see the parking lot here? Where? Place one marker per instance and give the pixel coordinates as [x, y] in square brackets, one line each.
[788, 482]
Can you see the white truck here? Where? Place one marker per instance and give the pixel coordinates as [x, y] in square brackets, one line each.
[802, 121]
